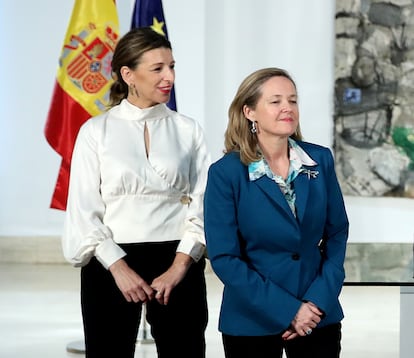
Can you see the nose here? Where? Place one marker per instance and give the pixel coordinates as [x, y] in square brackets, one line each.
[287, 109]
[169, 75]
[287, 105]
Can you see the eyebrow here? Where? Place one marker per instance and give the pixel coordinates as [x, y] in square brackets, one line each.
[279, 95]
[161, 63]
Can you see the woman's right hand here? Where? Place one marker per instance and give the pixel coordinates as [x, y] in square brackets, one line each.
[306, 319]
[133, 287]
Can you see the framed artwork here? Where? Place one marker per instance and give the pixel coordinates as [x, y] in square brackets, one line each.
[374, 97]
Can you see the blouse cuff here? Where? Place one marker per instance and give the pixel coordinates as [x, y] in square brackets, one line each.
[108, 252]
[192, 247]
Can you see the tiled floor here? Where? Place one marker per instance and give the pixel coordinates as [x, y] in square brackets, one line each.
[40, 316]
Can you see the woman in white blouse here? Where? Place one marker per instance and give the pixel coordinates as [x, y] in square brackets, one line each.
[134, 217]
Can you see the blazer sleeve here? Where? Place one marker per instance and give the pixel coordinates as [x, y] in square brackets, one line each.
[259, 304]
[327, 286]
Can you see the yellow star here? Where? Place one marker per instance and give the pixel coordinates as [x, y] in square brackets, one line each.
[157, 26]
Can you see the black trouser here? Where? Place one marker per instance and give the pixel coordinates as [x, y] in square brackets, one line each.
[324, 342]
[111, 323]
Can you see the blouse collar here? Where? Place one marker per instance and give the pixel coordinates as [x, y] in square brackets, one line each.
[298, 158]
[128, 111]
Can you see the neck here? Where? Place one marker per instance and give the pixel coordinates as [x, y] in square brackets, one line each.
[277, 156]
[140, 104]
[275, 150]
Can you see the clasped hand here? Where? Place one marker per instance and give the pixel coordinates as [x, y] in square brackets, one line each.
[135, 289]
[306, 319]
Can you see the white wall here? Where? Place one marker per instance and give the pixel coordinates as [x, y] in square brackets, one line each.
[216, 44]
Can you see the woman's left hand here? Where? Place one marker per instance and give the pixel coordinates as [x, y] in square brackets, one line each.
[165, 283]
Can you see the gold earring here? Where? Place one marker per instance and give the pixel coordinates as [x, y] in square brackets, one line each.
[131, 89]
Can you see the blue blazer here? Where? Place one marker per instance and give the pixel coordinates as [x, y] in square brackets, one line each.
[268, 260]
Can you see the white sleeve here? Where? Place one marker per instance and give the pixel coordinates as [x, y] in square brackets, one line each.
[193, 241]
[84, 233]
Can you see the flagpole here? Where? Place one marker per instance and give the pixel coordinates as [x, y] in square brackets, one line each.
[145, 337]
[77, 347]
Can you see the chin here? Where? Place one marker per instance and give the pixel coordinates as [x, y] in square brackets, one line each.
[165, 99]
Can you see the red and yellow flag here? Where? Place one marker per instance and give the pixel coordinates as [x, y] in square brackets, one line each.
[83, 81]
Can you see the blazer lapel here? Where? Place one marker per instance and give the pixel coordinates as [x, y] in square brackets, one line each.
[301, 186]
[273, 192]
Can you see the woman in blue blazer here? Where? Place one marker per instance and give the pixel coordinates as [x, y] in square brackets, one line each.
[276, 228]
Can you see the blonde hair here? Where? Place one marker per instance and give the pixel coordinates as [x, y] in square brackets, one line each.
[238, 136]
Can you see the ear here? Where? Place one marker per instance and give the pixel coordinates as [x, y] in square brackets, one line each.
[248, 113]
[126, 74]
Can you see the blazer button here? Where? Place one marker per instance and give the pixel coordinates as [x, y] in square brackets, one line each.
[295, 257]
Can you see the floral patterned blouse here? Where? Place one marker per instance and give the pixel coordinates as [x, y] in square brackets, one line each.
[298, 158]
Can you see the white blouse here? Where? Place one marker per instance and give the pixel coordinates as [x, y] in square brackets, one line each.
[118, 194]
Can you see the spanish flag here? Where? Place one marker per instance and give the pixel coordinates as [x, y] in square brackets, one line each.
[150, 13]
[83, 81]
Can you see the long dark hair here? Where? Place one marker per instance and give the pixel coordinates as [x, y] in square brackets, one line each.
[128, 52]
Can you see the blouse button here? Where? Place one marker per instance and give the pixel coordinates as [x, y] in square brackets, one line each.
[185, 200]
[295, 257]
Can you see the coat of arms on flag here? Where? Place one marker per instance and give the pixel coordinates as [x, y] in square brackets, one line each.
[86, 62]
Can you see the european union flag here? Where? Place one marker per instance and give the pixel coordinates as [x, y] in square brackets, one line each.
[150, 13]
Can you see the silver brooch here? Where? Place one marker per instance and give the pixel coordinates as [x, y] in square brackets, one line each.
[310, 173]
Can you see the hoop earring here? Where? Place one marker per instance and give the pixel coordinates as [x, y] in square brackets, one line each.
[253, 129]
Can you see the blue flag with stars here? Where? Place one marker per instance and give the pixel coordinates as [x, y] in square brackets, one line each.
[150, 13]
